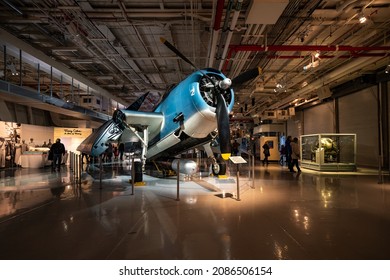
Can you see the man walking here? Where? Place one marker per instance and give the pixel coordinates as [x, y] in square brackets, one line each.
[58, 150]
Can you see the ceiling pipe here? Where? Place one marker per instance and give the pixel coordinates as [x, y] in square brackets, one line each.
[216, 30]
[338, 73]
[330, 56]
[243, 56]
[236, 13]
[313, 48]
[225, 28]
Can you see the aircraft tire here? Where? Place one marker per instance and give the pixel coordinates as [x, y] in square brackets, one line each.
[222, 167]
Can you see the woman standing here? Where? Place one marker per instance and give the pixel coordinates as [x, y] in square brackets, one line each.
[266, 153]
[295, 155]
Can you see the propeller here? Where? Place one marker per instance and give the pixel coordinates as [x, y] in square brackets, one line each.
[223, 126]
[246, 76]
[176, 51]
[221, 106]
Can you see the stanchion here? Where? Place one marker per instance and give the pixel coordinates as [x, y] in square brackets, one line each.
[380, 174]
[253, 171]
[73, 164]
[70, 161]
[238, 183]
[249, 166]
[100, 170]
[76, 171]
[178, 181]
[132, 175]
[80, 167]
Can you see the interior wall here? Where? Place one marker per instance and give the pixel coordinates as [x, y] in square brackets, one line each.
[323, 115]
[295, 125]
[358, 113]
[38, 133]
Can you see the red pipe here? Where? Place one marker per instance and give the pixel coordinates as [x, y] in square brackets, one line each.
[291, 48]
[218, 15]
[330, 56]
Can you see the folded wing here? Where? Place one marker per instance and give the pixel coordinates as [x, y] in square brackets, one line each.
[124, 124]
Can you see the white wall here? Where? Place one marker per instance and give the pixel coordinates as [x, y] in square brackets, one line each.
[38, 133]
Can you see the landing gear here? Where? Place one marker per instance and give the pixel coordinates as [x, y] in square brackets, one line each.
[219, 167]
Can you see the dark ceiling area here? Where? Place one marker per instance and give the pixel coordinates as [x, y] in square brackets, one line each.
[304, 48]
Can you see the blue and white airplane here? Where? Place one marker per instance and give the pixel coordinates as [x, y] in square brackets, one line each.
[191, 114]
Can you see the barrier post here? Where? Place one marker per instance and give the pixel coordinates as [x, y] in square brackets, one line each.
[178, 181]
[253, 171]
[132, 175]
[80, 167]
[100, 170]
[238, 182]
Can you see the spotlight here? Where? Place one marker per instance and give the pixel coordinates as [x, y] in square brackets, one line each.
[317, 54]
[362, 17]
[387, 70]
[313, 64]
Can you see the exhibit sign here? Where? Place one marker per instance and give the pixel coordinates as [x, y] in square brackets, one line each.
[71, 137]
[61, 132]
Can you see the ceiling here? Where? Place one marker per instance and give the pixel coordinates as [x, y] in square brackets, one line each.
[114, 46]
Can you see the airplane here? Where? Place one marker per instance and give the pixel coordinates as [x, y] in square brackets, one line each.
[191, 114]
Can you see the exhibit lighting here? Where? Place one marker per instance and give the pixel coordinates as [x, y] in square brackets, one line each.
[311, 65]
[362, 17]
[280, 87]
[314, 61]
[387, 70]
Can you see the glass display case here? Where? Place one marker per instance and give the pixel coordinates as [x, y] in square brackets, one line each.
[328, 152]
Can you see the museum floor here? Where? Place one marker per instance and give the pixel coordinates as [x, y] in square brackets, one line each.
[46, 215]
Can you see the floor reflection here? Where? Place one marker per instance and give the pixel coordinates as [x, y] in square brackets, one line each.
[285, 216]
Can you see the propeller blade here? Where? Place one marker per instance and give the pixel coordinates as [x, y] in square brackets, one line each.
[176, 51]
[223, 127]
[246, 76]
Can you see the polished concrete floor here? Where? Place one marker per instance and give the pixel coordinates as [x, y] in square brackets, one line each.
[281, 215]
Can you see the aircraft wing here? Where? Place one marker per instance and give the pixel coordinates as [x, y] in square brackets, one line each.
[96, 143]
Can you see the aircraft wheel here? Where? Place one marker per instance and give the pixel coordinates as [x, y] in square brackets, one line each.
[219, 168]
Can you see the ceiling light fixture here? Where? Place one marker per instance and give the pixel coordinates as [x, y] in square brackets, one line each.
[387, 70]
[314, 62]
[362, 17]
[280, 87]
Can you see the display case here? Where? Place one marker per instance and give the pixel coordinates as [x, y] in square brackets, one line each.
[328, 152]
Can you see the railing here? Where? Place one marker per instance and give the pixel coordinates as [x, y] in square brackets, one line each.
[32, 94]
